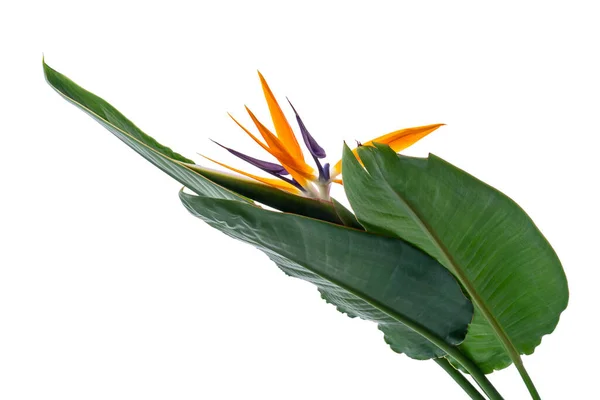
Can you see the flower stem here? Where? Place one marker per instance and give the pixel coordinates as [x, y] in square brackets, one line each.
[459, 378]
[528, 382]
[475, 372]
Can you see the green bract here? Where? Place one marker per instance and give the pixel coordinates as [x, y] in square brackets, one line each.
[447, 266]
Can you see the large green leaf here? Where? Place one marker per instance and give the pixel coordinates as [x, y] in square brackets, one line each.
[385, 280]
[201, 180]
[510, 271]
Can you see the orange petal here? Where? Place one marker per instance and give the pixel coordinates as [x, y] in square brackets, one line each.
[275, 153]
[275, 145]
[400, 140]
[282, 126]
[277, 149]
[277, 183]
[261, 144]
[336, 169]
[397, 140]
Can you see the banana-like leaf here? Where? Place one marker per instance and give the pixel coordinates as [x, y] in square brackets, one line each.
[407, 293]
[505, 264]
[198, 179]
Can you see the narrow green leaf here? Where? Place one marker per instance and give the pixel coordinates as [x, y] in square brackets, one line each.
[164, 158]
[497, 253]
[385, 280]
[202, 181]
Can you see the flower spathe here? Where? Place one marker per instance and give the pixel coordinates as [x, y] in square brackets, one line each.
[293, 174]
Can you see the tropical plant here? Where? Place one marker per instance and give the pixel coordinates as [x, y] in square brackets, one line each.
[449, 268]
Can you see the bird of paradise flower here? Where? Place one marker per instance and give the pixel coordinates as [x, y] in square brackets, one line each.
[293, 174]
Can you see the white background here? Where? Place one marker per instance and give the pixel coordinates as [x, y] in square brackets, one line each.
[110, 290]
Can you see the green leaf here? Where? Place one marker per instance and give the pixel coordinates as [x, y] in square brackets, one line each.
[485, 239]
[385, 280]
[203, 181]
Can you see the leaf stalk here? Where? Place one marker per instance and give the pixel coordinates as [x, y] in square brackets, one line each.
[460, 379]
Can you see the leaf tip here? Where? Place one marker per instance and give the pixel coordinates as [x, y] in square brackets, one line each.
[46, 68]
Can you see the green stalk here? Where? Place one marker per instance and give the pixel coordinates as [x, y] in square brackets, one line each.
[528, 382]
[475, 372]
[459, 378]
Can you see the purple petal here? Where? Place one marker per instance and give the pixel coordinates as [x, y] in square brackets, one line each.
[311, 143]
[266, 166]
